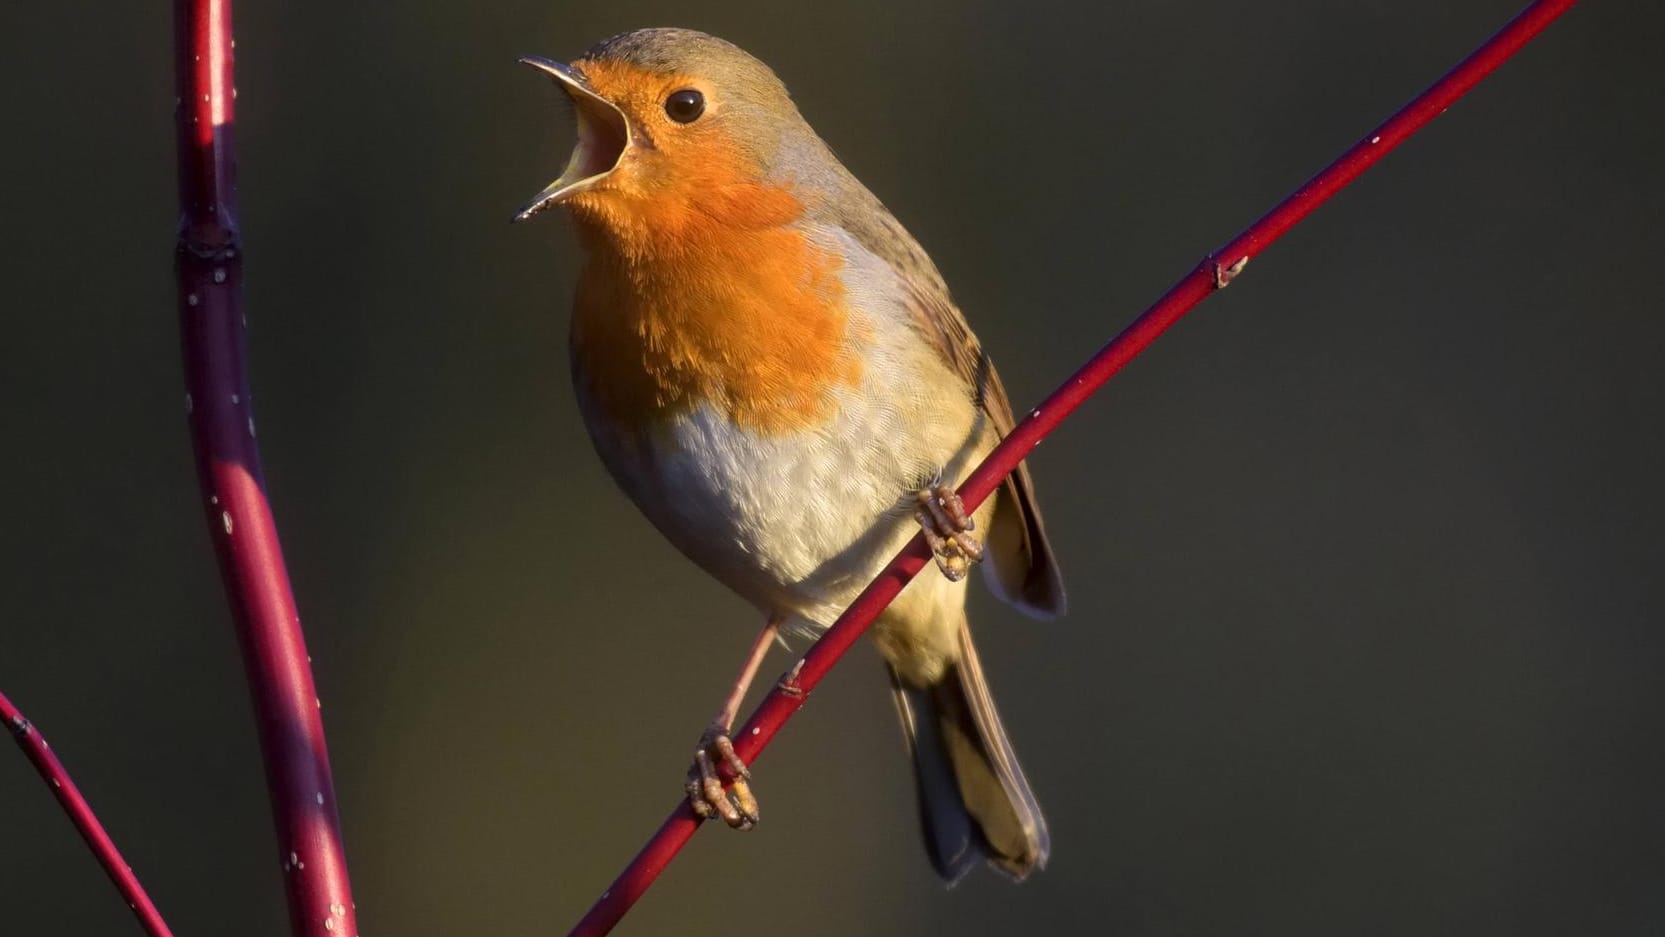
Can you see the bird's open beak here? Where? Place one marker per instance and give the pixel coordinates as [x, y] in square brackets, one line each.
[603, 136]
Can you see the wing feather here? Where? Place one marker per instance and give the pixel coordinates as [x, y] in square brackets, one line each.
[1024, 570]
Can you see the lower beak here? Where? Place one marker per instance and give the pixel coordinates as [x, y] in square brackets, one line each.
[603, 136]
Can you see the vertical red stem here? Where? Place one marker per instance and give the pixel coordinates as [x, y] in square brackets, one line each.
[1213, 273]
[209, 270]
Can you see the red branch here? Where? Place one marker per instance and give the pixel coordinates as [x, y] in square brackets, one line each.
[1215, 272]
[209, 270]
[52, 771]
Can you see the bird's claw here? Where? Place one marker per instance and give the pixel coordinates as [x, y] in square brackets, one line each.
[941, 515]
[736, 806]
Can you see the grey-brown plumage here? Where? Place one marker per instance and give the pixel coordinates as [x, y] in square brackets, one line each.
[798, 521]
[974, 802]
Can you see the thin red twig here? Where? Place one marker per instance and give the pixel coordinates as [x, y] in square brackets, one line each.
[56, 776]
[1215, 272]
[209, 270]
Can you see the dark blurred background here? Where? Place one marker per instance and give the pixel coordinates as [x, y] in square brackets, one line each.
[1364, 557]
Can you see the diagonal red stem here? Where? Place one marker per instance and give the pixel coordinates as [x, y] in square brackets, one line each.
[53, 772]
[1217, 270]
[209, 270]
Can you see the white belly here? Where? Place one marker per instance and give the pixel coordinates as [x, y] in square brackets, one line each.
[799, 523]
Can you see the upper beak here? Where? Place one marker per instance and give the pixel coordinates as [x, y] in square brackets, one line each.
[603, 136]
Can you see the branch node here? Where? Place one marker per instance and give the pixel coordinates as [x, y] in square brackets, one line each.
[210, 242]
[1223, 275]
[789, 683]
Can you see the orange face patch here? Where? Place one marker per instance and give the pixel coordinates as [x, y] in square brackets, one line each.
[697, 288]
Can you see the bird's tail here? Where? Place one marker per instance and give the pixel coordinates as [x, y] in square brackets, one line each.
[973, 800]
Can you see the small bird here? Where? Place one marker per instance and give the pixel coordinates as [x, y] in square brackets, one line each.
[773, 370]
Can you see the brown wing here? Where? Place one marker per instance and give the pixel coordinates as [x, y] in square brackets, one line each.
[1022, 568]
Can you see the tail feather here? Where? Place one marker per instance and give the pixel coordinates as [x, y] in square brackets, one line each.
[950, 833]
[974, 802]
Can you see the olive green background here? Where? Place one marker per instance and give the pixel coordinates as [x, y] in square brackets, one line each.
[1365, 557]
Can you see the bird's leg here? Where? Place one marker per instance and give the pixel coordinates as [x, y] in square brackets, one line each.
[948, 528]
[737, 807]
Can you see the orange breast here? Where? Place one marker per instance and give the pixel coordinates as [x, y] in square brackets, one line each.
[725, 304]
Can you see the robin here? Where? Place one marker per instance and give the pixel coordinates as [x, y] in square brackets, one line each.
[773, 370]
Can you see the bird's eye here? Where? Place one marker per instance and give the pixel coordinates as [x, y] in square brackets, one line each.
[685, 106]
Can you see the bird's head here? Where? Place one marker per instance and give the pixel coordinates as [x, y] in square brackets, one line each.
[673, 122]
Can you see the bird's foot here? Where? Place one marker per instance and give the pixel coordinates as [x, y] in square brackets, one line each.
[736, 806]
[948, 528]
